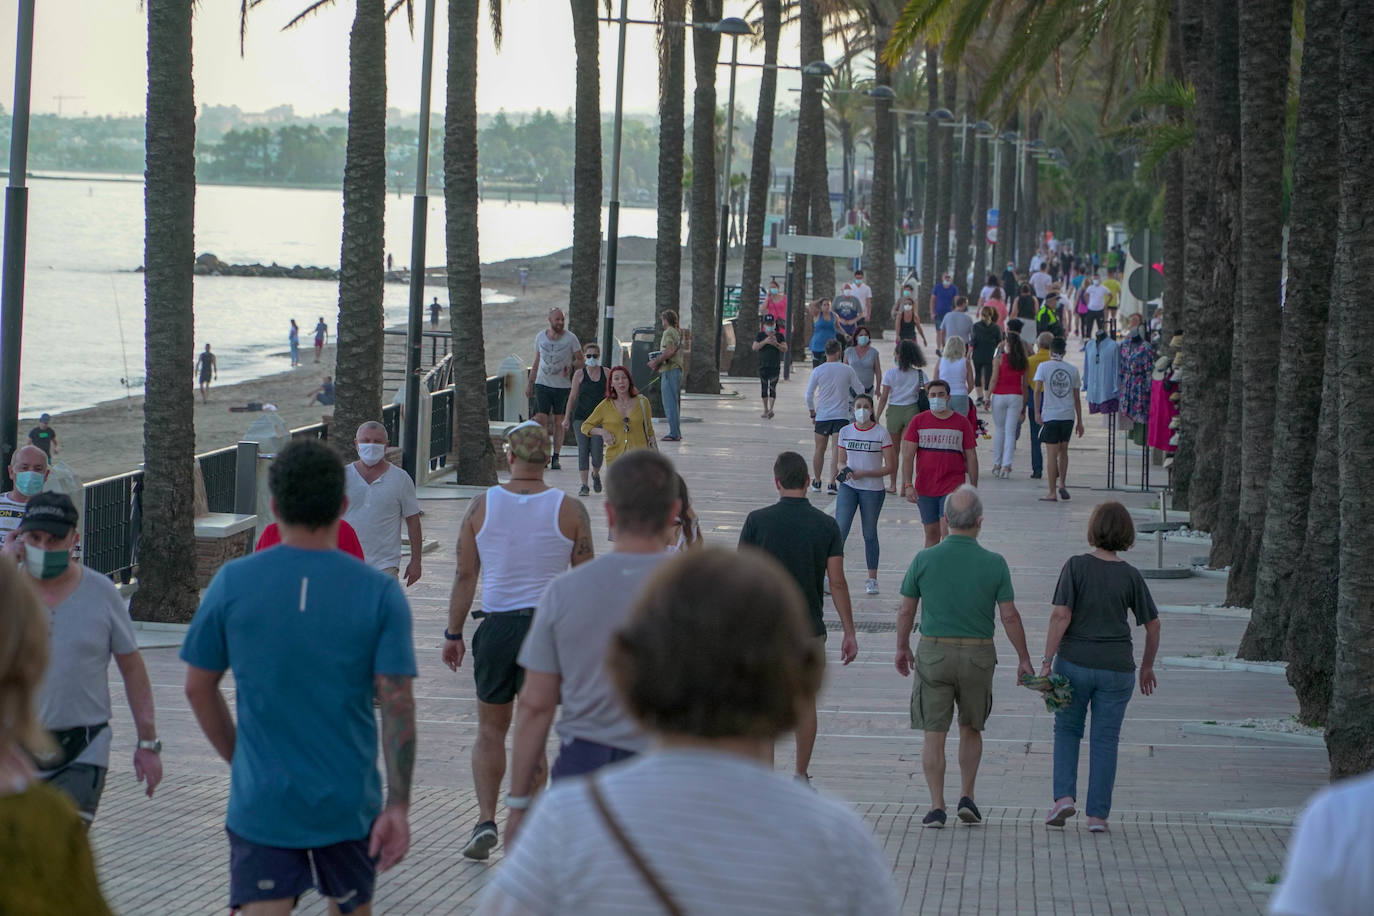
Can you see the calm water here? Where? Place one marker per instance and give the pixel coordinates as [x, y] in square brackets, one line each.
[83, 316]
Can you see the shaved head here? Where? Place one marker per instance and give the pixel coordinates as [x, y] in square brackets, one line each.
[29, 458]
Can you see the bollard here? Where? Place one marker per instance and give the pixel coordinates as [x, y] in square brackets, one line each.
[514, 377]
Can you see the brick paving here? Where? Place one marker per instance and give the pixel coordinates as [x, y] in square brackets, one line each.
[1165, 854]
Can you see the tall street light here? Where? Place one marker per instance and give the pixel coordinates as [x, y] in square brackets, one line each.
[613, 208]
[16, 228]
[734, 27]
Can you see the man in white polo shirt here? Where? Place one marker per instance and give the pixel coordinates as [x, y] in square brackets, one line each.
[380, 496]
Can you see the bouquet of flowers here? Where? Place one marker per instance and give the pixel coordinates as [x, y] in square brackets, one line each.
[1056, 689]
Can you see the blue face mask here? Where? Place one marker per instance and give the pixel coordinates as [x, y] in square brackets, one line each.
[29, 483]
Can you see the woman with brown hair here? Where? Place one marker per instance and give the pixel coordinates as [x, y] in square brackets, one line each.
[45, 862]
[1089, 642]
[685, 532]
[624, 417]
[714, 662]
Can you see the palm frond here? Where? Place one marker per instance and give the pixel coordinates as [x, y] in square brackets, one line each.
[494, 17]
[309, 10]
[1171, 93]
[410, 13]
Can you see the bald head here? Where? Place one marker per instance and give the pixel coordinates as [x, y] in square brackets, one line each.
[556, 320]
[964, 510]
[29, 458]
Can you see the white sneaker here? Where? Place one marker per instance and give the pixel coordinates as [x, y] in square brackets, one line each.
[871, 586]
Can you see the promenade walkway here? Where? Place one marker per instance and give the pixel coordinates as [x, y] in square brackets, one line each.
[1200, 822]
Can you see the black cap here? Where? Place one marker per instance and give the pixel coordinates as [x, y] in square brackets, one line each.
[50, 512]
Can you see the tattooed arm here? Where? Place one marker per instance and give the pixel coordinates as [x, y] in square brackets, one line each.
[391, 832]
[576, 526]
[464, 581]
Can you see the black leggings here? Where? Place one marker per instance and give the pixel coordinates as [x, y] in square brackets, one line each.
[982, 373]
[768, 382]
[1093, 318]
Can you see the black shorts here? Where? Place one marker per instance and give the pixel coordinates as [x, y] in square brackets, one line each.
[495, 647]
[344, 872]
[830, 427]
[1053, 432]
[551, 400]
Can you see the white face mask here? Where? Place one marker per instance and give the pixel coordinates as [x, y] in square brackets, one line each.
[371, 452]
[593, 362]
[939, 405]
[861, 415]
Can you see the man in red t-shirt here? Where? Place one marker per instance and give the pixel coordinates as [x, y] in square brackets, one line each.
[943, 447]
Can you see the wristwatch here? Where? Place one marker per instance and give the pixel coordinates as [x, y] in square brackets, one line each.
[155, 745]
[456, 637]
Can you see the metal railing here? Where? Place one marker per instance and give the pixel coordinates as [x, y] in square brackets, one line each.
[219, 470]
[440, 427]
[112, 522]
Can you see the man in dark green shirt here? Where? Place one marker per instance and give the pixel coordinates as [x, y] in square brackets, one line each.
[958, 583]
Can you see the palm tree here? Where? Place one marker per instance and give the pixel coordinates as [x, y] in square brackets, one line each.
[930, 208]
[1350, 727]
[586, 240]
[760, 172]
[964, 202]
[167, 554]
[809, 183]
[1298, 395]
[847, 115]
[703, 375]
[882, 218]
[672, 71]
[944, 203]
[475, 458]
[982, 200]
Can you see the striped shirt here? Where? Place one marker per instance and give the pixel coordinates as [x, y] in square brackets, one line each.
[723, 834]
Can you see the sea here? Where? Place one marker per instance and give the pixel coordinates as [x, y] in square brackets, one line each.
[83, 301]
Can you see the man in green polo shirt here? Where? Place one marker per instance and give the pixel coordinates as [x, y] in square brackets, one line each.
[958, 583]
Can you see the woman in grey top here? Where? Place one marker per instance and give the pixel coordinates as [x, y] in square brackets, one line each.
[863, 358]
[1089, 642]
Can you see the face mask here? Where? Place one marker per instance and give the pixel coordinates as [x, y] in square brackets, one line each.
[371, 452]
[863, 340]
[939, 405]
[46, 564]
[861, 415]
[773, 290]
[906, 307]
[29, 483]
[593, 362]
[769, 328]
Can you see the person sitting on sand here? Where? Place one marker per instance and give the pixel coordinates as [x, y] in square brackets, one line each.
[323, 394]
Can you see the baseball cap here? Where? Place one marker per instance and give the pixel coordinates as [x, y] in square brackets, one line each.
[529, 442]
[50, 512]
[44, 417]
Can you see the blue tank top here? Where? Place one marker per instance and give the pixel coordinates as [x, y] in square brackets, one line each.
[823, 333]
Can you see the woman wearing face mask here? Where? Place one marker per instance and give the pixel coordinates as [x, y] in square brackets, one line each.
[588, 389]
[956, 370]
[901, 395]
[986, 336]
[863, 358]
[904, 317]
[866, 457]
[984, 294]
[769, 344]
[822, 330]
[775, 305]
[624, 419]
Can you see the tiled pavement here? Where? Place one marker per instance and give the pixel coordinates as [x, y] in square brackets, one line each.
[1165, 854]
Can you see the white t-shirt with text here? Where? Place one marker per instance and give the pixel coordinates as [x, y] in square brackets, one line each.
[864, 450]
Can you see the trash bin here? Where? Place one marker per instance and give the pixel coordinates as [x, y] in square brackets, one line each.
[643, 342]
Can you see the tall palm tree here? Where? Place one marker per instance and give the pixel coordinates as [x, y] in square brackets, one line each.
[944, 204]
[586, 240]
[982, 200]
[672, 75]
[703, 375]
[882, 216]
[964, 202]
[1002, 252]
[475, 458]
[930, 206]
[1350, 727]
[167, 554]
[808, 182]
[849, 117]
[760, 173]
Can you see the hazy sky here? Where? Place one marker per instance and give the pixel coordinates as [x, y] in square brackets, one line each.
[95, 49]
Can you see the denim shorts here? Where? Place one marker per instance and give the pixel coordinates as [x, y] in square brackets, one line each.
[932, 508]
[343, 872]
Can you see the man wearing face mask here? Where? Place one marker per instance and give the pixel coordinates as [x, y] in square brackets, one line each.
[89, 625]
[941, 304]
[380, 496]
[944, 451]
[28, 470]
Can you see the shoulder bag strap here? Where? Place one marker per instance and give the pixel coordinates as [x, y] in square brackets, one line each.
[631, 853]
[647, 413]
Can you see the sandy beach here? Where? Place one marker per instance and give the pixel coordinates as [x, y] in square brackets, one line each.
[107, 439]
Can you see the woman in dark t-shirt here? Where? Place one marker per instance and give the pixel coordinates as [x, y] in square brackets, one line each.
[1089, 642]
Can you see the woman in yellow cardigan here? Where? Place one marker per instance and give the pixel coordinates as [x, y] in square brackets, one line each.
[624, 418]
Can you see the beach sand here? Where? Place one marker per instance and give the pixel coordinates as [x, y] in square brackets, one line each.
[107, 439]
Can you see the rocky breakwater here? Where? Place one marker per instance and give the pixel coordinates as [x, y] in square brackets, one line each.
[207, 265]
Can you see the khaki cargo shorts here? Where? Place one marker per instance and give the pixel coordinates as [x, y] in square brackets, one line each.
[949, 672]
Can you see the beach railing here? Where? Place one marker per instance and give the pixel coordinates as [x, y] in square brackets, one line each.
[219, 470]
[112, 521]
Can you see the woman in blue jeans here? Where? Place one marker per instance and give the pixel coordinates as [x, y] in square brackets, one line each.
[1089, 642]
[866, 457]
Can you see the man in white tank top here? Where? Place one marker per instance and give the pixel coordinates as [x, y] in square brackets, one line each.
[519, 535]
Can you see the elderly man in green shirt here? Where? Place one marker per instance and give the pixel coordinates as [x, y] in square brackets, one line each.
[959, 583]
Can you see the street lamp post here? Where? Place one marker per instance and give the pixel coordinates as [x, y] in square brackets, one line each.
[16, 228]
[734, 28]
[613, 208]
[410, 438]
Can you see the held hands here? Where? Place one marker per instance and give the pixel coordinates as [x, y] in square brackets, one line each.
[453, 653]
[1024, 668]
[1045, 670]
[148, 768]
[1147, 680]
[390, 839]
[906, 661]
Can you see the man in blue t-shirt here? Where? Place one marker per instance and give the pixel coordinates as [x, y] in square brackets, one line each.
[941, 304]
[311, 635]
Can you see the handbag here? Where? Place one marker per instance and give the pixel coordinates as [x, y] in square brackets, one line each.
[71, 742]
[922, 399]
[636, 859]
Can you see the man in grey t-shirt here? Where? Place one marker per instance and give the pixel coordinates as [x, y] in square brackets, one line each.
[557, 355]
[89, 625]
[959, 323]
[564, 653]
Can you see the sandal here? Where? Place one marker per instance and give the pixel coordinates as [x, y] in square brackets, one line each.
[1063, 493]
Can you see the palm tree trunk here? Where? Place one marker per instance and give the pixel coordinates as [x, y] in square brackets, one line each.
[811, 123]
[703, 375]
[1175, 226]
[1004, 252]
[1311, 256]
[944, 259]
[930, 209]
[1350, 727]
[882, 218]
[760, 172]
[586, 239]
[964, 203]
[362, 258]
[167, 552]
[1028, 219]
[476, 459]
[672, 73]
[982, 200]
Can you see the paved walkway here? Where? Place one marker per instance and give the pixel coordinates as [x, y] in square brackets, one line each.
[1193, 825]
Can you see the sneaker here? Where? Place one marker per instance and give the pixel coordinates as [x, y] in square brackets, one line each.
[1036, 475]
[554, 465]
[935, 818]
[816, 485]
[832, 489]
[871, 586]
[1059, 814]
[482, 841]
[968, 811]
[596, 482]
[583, 490]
